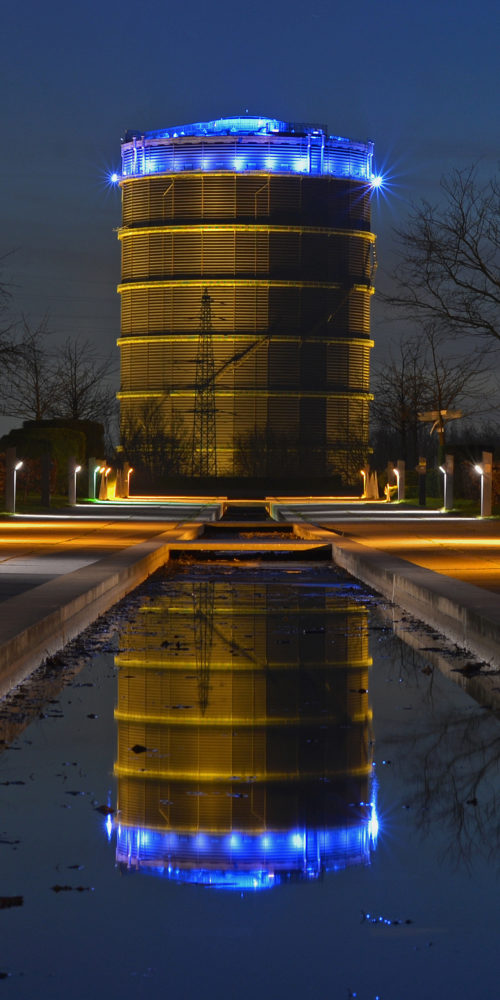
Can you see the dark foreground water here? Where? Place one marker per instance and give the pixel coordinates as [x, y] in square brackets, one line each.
[261, 793]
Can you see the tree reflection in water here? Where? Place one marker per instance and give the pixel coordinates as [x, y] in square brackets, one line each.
[449, 763]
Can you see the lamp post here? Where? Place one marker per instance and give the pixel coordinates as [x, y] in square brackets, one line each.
[73, 470]
[396, 476]
[485, 470]
[15, 470]
[447, 470]
[98, 469]
[363, 474]
[129, 473]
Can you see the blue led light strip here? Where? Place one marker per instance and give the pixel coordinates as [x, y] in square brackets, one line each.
[246, 145]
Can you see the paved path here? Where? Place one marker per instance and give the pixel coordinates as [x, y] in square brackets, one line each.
[59, 572]
[463, 548]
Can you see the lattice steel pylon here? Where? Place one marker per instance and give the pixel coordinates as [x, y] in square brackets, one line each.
[203, 617]
[204, 454]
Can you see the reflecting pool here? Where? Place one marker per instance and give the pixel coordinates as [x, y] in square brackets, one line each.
[259, 788]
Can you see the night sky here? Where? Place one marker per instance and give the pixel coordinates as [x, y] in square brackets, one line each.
[420, 80]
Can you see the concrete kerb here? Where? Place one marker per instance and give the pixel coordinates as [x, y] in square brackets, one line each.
[466, 614]
[38, 624]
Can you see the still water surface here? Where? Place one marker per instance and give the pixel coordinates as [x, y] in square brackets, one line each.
[261, 791]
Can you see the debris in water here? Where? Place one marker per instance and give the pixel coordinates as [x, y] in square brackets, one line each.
[71, 888]
[7, 902]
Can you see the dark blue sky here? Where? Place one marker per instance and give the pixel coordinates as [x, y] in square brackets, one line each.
[421, 80]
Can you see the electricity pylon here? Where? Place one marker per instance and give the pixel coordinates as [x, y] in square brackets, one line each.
[204, 454]
[203, 616]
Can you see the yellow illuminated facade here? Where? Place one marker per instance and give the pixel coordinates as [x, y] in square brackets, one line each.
[284, 248]
[244, 735]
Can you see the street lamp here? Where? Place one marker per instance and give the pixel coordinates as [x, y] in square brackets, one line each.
[485, 470]
[363, 474]
[97, 469]
[129, 473]
[15, 470]
[78, 469]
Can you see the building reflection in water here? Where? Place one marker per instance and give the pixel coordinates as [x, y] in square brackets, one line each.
[244, 735]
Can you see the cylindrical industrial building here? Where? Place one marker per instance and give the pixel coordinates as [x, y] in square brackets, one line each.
[248, 239]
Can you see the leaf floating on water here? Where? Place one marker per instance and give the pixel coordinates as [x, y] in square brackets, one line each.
[72, 888]
[7, 902]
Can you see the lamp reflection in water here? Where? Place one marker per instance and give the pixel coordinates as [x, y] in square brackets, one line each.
[244, 735]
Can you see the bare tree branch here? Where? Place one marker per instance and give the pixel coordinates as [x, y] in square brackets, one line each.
[84, 392]
[449, 270]
[29, 376]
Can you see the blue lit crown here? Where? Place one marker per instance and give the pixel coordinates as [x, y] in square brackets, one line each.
[246, 144]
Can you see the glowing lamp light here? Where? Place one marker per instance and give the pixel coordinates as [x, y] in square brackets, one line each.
[114, 178]
[376, 181]
[478, 469]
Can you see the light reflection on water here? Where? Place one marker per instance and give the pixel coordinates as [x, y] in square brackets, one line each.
[237, 730]
[244, 736]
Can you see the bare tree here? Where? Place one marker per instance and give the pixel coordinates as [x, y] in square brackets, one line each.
[449, 270]
[156, 447]
[29, 379]
[400, 393]
[84, 392]
[425, 372]
[7, 345]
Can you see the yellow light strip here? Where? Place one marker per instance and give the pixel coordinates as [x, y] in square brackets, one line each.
[259, 609]
[238, 393]
[233, 174]
[125, 231]
[222, 338]
[238, 283]
[256, 667]
[217, 776]
[228, 721]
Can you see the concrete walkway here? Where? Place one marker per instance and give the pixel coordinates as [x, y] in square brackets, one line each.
[443, 569]
[58, 573]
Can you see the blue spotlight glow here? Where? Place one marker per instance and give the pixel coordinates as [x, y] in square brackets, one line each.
[377, 181]
[114, 178]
